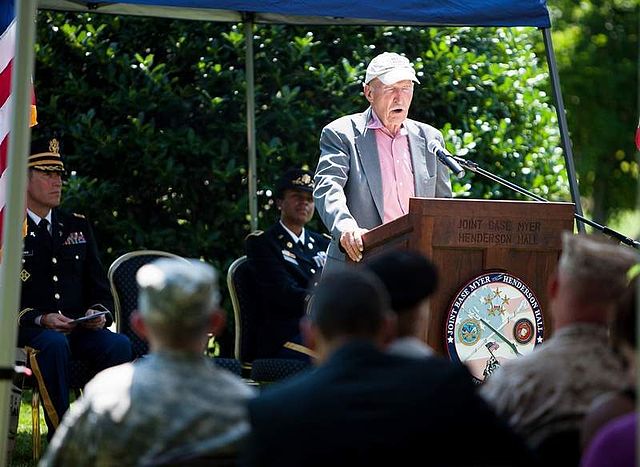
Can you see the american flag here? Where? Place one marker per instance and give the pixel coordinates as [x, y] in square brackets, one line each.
[492, 346]
[7, 50]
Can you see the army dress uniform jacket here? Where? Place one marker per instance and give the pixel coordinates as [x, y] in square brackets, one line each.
[284, 273]
[64, 273]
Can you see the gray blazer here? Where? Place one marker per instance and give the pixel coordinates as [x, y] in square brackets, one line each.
[348, 183]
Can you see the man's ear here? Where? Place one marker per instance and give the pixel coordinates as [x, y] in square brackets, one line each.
[367, 93]
[217, 322]
[137, 324]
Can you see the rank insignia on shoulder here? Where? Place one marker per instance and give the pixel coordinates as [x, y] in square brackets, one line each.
[326, 236]
[81, 216]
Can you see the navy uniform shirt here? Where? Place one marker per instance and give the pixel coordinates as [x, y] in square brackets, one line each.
[285, 273]
[64, 273]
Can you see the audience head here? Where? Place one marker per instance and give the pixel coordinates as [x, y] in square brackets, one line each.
[347, 305]
[178, 303]
[590, 278]
[410, 279]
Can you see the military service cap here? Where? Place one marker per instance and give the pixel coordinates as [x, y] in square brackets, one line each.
[294, 179]
[45, 154]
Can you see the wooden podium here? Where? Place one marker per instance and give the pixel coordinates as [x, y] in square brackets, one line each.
[465, 238]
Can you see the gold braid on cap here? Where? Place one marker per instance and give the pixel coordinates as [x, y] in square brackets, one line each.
[47, 161]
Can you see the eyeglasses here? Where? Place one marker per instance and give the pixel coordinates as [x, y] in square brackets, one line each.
[388, 90]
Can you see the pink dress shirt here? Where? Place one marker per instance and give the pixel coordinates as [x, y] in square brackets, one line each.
[395, 168]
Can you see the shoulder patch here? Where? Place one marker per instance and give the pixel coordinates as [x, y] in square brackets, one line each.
[81, 216]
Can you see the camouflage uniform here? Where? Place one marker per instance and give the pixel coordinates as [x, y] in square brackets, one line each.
[167, 407]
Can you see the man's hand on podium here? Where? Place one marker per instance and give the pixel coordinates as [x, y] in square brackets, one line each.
[351, 243]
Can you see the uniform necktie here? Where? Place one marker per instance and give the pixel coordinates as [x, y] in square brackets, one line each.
[43, 229]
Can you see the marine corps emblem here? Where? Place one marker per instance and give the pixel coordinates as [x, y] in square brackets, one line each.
[493, 318]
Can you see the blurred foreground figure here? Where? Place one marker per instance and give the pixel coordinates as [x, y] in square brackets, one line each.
[364, 407]
[610, 428]
[172, 406]
[544, 395]
[410, 279]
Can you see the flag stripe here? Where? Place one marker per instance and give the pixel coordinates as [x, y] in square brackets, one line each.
[5, 82]
[7, 51]
[5, 119]
[7, 44]
[3, 178]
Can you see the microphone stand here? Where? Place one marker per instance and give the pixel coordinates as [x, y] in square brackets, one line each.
[475, 168]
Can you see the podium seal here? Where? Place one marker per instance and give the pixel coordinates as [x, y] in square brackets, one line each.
[495, 317]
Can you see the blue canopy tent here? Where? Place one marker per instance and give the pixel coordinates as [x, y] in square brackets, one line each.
[402, 12]
[508, 13]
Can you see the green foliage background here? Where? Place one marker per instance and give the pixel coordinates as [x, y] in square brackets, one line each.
[152, 117]
[597, 51]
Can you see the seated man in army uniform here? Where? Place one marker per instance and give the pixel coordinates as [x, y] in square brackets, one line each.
[286, 260]
[62, 280]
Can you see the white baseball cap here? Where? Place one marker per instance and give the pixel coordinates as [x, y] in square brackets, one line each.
[390, 68]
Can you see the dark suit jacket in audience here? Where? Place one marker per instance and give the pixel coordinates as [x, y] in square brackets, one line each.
[363, 407]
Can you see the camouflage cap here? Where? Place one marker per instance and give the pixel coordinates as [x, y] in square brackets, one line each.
[178, 291]
[598, 263]
[596, 256]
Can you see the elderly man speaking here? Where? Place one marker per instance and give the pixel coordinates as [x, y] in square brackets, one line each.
[372, 162]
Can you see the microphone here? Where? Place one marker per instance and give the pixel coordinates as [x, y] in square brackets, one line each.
[447, 159]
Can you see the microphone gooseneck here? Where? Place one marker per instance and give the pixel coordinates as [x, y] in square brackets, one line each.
[447, 159]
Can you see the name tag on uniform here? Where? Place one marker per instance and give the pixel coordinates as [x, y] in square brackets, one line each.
[290, 257]
[75, 238]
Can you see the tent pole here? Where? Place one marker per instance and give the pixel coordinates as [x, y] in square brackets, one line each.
[14, 208]
[562, 122]
[252, 175]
